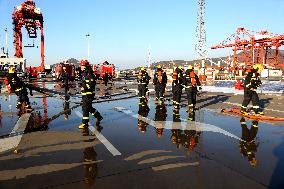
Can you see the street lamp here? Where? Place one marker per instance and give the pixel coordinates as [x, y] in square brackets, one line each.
[88, 39]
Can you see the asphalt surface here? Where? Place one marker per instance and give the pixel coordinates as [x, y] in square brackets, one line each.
[128, 150]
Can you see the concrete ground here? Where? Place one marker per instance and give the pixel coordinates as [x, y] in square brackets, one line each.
[130, 149]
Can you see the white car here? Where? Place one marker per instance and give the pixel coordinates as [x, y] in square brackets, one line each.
[42, 75]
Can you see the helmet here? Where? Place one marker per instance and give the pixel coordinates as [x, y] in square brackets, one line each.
[190, 67]
[84, 63]
[11, 70]
[180, 67]
[142, 69]
[258, 67]
[253, 162]
[159, 66]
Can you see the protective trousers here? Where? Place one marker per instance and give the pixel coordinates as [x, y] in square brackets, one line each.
[160, 90]
[191, 97]
[177, 92]
[142, 92]
[250, 95]
[23, 97]
[88, 108]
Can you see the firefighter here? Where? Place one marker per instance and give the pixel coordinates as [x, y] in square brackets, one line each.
[252, 82]
[65, 80]
[143, 81]
[177, 86]
[160, 82]
[191, 84]
[106, 78]
[248, 147]
[88, 92]
[18, 86]
[160, 118]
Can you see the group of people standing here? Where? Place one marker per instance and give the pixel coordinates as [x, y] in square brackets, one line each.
[181, 79]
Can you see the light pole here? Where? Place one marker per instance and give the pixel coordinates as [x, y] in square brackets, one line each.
[6, 32]
[88, 39]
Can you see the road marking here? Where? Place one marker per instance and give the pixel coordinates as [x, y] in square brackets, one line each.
[184, 125]
[13, 141]
[145, 153]
[174, 165]
[237, 104]
[101, 138]
[160, 158]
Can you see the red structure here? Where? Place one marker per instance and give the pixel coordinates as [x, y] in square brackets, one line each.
[101, 69]
[252, 47]
[28, 15]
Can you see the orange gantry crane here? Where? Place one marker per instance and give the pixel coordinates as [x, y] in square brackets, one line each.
[252, 47]
[28, 15]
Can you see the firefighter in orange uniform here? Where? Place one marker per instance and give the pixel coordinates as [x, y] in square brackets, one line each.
[177, 86]
[160, 82]
[191, 84]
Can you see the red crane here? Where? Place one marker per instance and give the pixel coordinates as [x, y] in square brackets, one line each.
[28, 15]
[254, 47]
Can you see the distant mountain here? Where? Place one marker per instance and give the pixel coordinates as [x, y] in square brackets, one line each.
[270, 53]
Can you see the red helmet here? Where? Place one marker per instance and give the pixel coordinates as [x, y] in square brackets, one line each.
[84, 63]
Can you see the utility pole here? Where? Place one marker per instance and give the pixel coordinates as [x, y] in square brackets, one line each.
[149, 57]
[6, 32]
[88, 40]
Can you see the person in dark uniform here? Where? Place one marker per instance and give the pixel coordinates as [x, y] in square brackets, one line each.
[65, 80]
[106, 78]
[160, 82]
[191, 84]
[88, 92]
[177, 86]
[252, 82]
[18, 86]
[143, 81]
[248, 147]
[160, 118]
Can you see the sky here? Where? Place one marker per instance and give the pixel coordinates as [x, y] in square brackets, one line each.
[121, 31]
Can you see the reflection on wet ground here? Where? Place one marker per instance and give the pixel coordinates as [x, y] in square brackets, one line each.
[214, 151]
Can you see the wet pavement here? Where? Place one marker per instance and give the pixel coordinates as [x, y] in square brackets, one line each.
[134, 149]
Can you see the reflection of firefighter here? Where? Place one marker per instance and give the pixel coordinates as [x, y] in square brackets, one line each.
[143, 81]
[67, 111]
[160, 118]
[88, 92]
[160, 82]
[191, 139]
[248, 147]
[252, 82]
[143, 113]
[177, 86]
[106, 78]
[17, 85]
[176, 137]
[90, 165]
[191, 83]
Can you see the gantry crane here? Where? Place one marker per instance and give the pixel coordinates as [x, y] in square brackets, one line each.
[28, 15]
[251, 47]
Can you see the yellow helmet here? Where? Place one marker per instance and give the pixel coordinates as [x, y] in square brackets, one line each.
[142, 69]
[253, 162]
[159, 66]
[180, 67]
[11, 70]
[258, 67]
[190, 67]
